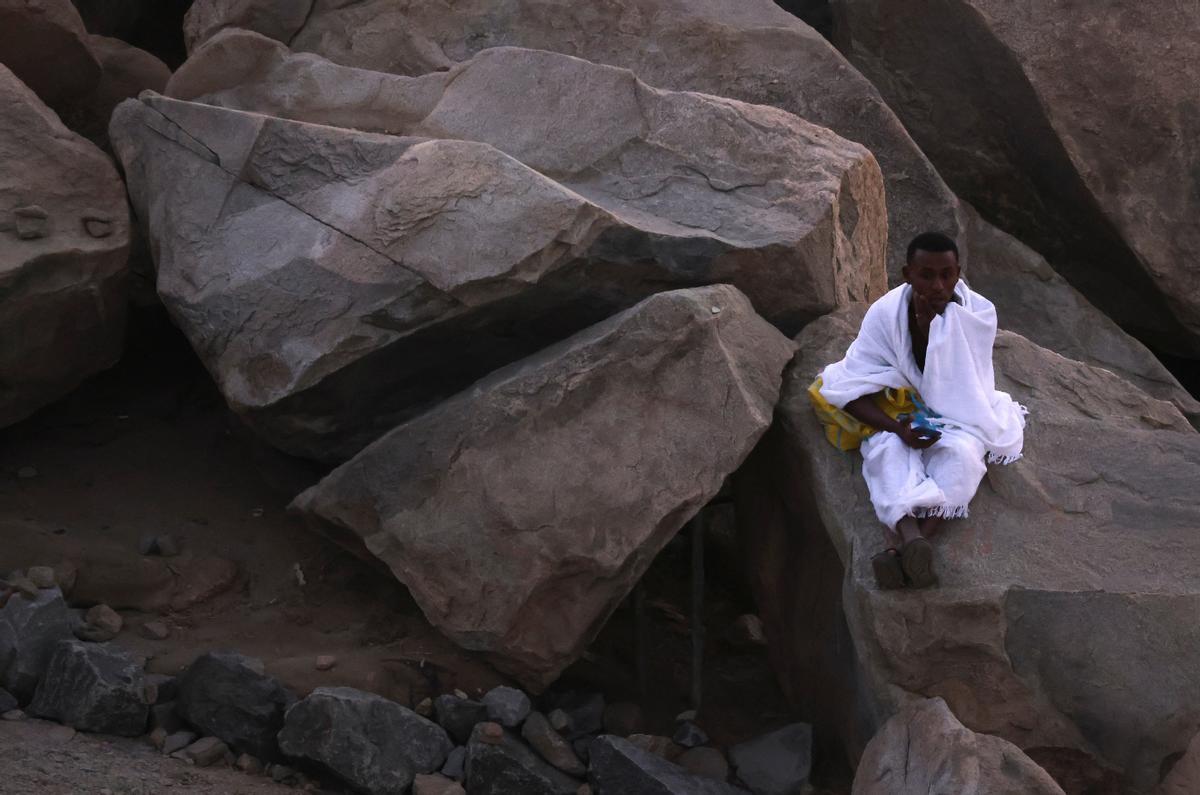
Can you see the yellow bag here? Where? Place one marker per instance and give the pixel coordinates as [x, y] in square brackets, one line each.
[845, 432]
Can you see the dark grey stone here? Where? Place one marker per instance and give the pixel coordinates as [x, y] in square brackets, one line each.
[586, 711]
[551, 745]
[777, 763]
[29, 629]
[165, 687]
[163, 715]
[689, 735]
[375, 745]
[458, 716]
[617, 767]
[510, 767]
[230, 697]
[178, 741]
[456, 764]
[93, 687]
[7, 701]
[507, 706]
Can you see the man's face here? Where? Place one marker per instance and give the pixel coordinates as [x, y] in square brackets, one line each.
[932, 275]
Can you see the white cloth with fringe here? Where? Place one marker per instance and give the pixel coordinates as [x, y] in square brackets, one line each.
[958, 386]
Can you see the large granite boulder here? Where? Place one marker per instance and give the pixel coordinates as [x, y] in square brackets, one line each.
[93, 687]
[29, 631]
[64, 242]
[748, 50]
[374, 744]
[925, 749]
[337, 282]
[44, 43]
[521, 511]
[1065, 616]
[1073, 125]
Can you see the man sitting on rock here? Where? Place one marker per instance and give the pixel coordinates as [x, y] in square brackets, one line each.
[919, 376]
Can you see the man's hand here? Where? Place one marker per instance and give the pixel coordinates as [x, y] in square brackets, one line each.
[916, 438]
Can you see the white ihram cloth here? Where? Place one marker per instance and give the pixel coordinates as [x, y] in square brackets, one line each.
[958, 384]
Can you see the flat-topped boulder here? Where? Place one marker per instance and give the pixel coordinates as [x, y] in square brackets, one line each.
[520, 512]
[1064, 621]
[337, 282]
[64, 243]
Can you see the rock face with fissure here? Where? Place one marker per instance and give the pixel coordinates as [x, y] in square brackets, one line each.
[93, 687]
[64, 242]
[328, 277]
[1052, 119]
[1064, 618]
[634, 424]
[374, 744]
[925, 749]
[749, 51]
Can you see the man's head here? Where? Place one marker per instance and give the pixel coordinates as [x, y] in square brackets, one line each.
[931, 267]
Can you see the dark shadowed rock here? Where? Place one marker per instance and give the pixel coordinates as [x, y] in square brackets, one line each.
[529, 569]
[551, 745]
[44, 43]
[617, 767]
[93, 687]
[506, 705]
[925, 749]
[229, 696]
[7, 701]
[458, 716]
[29, 630]
[777, 763]
[508, 766]
[1063, 616]
[374, 744]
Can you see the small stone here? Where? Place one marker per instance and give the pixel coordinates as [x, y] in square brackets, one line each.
[206, 751]
[424, 708]
[98, 227]
[249, 765]
[433, 784]
[163, 716]
[455, 766]
[25, 587]
[168, 546]
[182, 756]
[560, 720]
[657, 745]
[491, 733]
[687, 714]
[280, 773]
[326, 662]
[689, 735]
[542, 737]
[13, 714]
[747, 630]
[178, 741]
[148, 544]
[155, 630]
[27, 473]
[158, 737]
[41, 576]
[458, 716]
[716, 310]
[507, 706]
[707, 762]
[461, 694]
[105, 617]
[622, 718]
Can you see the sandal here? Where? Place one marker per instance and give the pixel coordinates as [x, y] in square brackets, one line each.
[889, 573]
[916, 559]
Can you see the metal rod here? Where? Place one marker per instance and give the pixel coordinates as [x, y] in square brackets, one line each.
[697, 618]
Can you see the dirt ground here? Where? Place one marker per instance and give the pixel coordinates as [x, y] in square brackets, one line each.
[149, 448]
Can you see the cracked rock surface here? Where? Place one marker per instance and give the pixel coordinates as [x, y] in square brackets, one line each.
[589, 473]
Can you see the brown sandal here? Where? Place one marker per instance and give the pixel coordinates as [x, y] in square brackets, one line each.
[916, 559]
[889, 573]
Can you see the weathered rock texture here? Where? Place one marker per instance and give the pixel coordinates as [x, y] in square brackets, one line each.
[374, 744]
[125, 72]
[1065, 613]
[925, 749]
[93, 687]
[29, 630]
[231, 697]
[520, 512]
[64, 241]
[44, 43]
[507, 765]
[330, 279]
[1055, 121]
[749, 51]
[619, 766]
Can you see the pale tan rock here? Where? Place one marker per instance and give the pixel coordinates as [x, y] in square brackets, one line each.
[44, 43]
[388, 249]
[325, 662]
[1063, 615]
[925, 749]
[41, 576]
[435, 784]
[64, 242]
[529, 568]
[105, 618]
[1052, 120]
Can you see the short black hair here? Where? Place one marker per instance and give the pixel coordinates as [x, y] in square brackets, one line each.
[934, 242]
